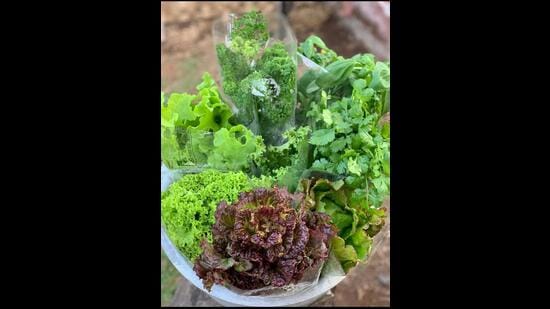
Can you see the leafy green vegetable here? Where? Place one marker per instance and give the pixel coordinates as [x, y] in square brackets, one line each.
[356, 225]
[250, 26]
[259, 78]
[338, 72]
[188, 206]
[346, 254]
[278, 107]
[315, 49]
[380, 77]
[353, 167]
[234, 68]
[337, 155]
[322, 137]
[344, 106]
[196, 131]
[346, 110]
[231, 148]
[287, 161]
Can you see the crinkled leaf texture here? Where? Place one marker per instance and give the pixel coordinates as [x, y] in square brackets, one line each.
[196, 131]
[231, 148]
[356, 226]
[271, 238]
[189, 204]
[287, 161]
[258, 77]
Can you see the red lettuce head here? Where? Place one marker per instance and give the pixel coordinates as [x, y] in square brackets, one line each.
[266, 238]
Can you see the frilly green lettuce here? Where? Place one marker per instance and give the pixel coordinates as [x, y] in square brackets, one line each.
[189, 204]
[196, 130]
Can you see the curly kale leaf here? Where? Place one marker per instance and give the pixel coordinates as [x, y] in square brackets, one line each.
[234, 68]
[245, 100]
[259, 79]
[277, 64]
[250, 26]
[248, 33]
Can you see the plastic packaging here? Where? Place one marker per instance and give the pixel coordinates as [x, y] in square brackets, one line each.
[259, 76]
[310, 279]
[187, 153]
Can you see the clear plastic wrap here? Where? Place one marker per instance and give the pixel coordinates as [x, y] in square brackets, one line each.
[190, 151]
[259, 76]
[310, 279]
[187, 151]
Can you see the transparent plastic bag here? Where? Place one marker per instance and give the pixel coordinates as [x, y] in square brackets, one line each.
[259, 83]
[309, 280]
[185, 150]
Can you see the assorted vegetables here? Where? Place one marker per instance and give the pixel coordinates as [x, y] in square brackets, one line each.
[188, 206]
[295, 175]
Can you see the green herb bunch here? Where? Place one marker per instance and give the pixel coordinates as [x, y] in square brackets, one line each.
[345, 106]
[258, 77]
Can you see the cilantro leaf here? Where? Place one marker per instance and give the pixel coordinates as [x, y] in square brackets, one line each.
[353, 167]
[327, 116]
[322, 137]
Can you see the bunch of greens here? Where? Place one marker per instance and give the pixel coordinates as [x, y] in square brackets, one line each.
[259, 79]
[356, 225]
[266, 238]
[345, 106]
[287, 161]
[196, 131]
[189, 204]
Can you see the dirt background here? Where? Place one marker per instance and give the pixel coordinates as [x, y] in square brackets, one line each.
[188, 51]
